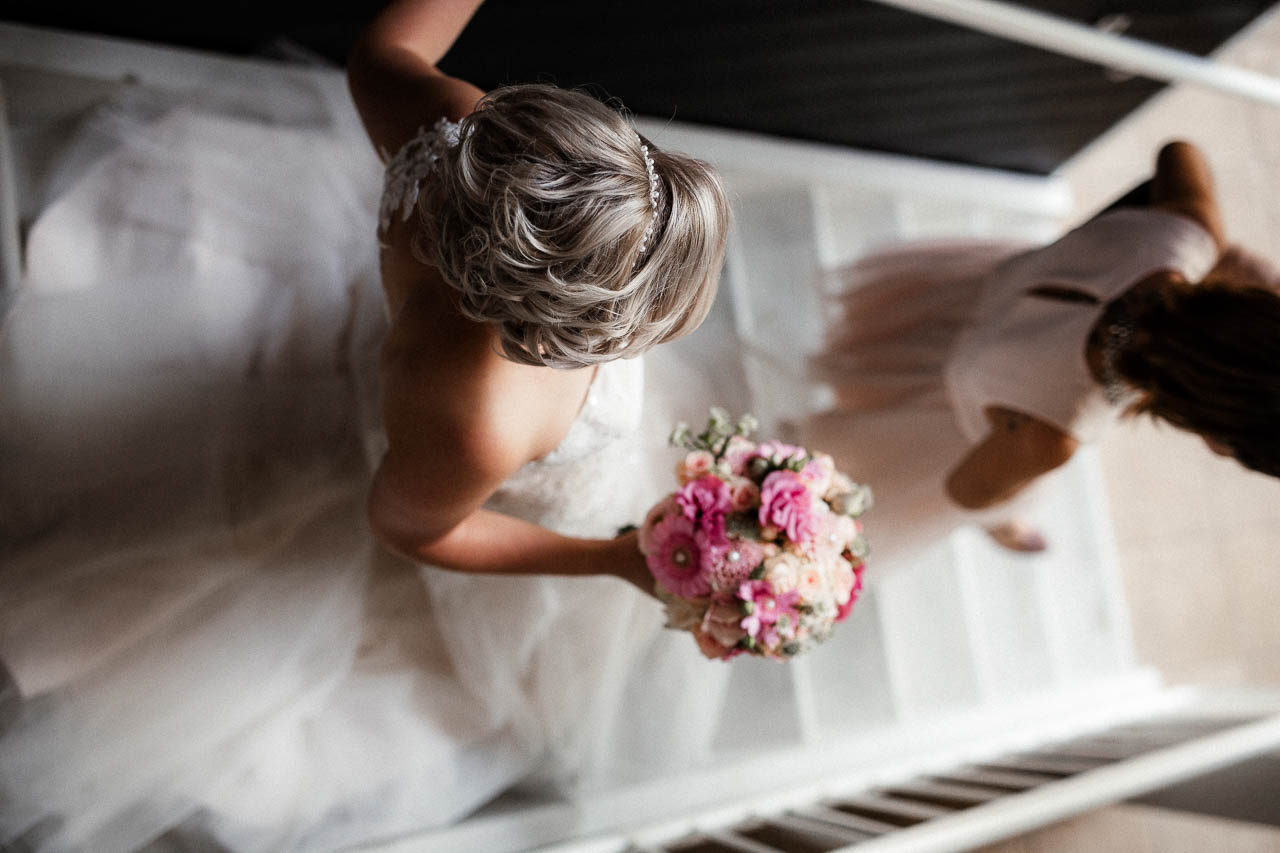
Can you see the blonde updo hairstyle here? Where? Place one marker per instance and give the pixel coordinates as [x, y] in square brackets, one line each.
[536, 219]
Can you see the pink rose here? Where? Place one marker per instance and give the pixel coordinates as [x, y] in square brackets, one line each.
[842, 610]
[743, 494]
[713, 649]
[810, 584]
[783, 571]
[785, 501]
[722, 622]
[842, 581]
[738, 454]
[818, 473]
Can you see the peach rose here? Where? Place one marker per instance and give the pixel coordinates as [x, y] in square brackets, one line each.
[743, 494]
[694, 465]
[842, 581]
[782, 571]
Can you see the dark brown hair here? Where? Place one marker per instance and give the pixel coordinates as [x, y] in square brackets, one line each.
[1206, 358]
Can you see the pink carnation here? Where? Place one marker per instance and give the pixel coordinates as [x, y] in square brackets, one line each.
[707, 495]
[786, 503]
[676, 557]
[706, 501]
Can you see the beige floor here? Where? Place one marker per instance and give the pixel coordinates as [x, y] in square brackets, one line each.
[1142, 829]
[1199, 536]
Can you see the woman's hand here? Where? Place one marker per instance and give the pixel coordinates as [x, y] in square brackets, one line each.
[624, 560]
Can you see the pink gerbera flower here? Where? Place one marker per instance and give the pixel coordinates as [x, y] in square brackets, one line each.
[676, 557]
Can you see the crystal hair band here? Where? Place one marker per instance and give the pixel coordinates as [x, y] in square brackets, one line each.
[653, 198]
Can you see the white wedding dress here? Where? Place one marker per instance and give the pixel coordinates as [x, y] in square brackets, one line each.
[203, 634]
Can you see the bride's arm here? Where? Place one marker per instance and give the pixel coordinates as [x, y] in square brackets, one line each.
[392, 71]
[426, 497]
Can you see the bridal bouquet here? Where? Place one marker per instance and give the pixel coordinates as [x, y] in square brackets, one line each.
[758, 551]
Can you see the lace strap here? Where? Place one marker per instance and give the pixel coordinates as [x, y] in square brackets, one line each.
[405, 172]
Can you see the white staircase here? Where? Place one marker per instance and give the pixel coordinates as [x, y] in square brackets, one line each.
[972, 695]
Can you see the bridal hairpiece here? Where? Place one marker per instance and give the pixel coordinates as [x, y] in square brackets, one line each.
[653, 198]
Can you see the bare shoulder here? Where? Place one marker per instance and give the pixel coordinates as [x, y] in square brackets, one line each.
[1018, 449]
[443, 387]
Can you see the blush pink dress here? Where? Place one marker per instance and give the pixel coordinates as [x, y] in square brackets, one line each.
[924, 338]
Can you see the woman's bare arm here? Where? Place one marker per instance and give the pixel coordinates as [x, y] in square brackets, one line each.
[455, 432]
[1183, 184]
[392, 71]
[425, 504]
[1017, 451]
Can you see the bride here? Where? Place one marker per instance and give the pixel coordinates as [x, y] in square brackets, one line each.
[548, 234]
[200, 634]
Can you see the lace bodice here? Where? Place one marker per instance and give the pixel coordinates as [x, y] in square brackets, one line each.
[406, 170]
[580, 487]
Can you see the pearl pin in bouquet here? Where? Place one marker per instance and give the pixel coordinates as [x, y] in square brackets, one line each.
[759, 550]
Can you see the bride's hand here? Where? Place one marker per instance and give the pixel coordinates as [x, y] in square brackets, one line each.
[628, 563]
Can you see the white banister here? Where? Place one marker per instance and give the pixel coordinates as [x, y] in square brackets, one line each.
[1087, 43]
